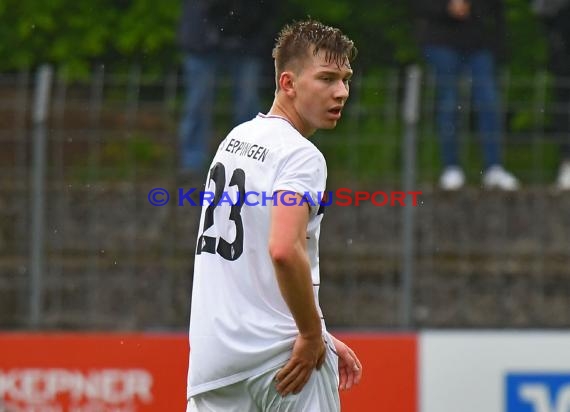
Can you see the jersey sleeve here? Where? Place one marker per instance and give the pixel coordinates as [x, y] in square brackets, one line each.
[304, 171]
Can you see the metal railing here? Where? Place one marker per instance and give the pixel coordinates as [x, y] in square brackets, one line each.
[82, 248]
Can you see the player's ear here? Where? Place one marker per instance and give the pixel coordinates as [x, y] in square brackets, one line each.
[287, 82]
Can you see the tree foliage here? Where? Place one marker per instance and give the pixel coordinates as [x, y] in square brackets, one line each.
[75, 33]
[78, 33]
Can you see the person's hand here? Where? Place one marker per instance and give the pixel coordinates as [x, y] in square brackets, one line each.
[459, 9]
[308, 354]
[349, 366]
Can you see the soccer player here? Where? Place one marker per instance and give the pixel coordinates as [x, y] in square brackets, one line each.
[258, 340]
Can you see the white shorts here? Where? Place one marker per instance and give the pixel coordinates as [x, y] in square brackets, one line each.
[259, 393]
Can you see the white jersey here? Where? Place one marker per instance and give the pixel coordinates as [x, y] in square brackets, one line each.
[240, 325]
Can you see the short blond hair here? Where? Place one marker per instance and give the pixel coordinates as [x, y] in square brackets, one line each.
[296, 40]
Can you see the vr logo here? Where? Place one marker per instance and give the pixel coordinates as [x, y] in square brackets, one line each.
[538, 392]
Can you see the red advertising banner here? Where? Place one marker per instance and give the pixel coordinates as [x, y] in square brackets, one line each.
[147, 372]
[92, 372]
[390, 370]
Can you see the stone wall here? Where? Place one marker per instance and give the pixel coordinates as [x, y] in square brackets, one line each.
[113, 261]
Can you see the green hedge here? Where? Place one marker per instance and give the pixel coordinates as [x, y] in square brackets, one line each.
[78, 33]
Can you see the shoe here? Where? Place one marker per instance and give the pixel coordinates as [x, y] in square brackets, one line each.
[452, 178]
[498, 178]
[563, 180]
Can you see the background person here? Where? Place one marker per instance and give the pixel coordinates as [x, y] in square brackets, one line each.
[220, 37]
[457, 35]
[555, 15]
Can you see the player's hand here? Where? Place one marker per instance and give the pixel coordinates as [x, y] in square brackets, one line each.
[308, 355]
[349, 366]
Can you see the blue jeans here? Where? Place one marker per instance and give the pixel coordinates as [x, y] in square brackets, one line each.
[201, 72]
[447, 64]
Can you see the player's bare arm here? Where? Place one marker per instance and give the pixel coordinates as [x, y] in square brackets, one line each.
[349, 366]
[287, 248]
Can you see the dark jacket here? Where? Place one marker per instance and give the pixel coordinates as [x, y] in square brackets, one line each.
[483, 29]
[557, 23]
[243, 26]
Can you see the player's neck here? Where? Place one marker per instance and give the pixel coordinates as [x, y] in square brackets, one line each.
[289, 113]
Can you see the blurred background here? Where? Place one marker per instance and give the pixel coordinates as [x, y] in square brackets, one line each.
[91, 99]
[97, 252]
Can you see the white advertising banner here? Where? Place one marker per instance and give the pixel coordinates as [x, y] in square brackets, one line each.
[514, 371]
